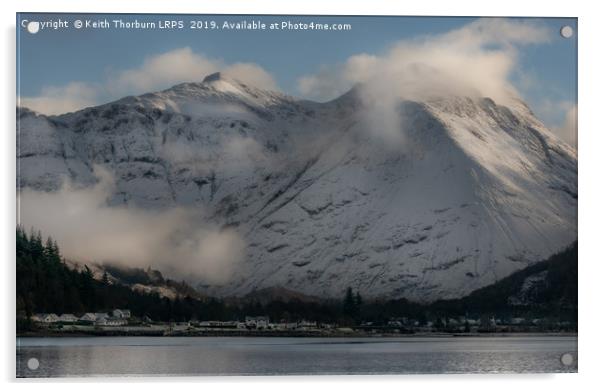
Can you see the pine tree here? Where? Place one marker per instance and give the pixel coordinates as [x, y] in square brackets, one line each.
[56, 251]
[358, 305]
[358, 299]
[35, 244]
[349, 304]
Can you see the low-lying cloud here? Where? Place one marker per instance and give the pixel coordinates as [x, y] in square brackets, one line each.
[88, 230]
[64, 99]
[230, 155]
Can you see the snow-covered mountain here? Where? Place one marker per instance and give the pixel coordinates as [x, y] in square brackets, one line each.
[475, 191]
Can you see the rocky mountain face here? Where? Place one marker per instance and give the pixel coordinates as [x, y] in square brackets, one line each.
[471, 192]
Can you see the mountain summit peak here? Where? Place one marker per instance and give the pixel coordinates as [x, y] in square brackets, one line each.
[213, 77]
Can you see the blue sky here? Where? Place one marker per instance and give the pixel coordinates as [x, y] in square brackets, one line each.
[64, 62]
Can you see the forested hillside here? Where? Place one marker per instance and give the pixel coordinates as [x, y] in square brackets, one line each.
[547, 289]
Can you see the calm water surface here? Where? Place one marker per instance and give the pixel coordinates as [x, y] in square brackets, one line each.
[152, 356]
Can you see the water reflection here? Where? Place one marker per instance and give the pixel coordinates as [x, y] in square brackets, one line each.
[104, 356]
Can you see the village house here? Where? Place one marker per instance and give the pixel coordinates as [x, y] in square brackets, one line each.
[394, 323]
[451, 322]
[68, 318]
[101, 315]
[307, 325]
[516, 321]
[94, 317]
[472, 322]
[122, 314]
[278, 326]
[257, 322]
[46, 318]
[50, 318]
[88, 317]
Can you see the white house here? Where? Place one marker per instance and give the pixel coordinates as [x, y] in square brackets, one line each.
[50, 318]
[68, 318]
[278, 326]
[36, 317]
[46, 318]
[471, 322]
[123, 314]
[453, 322]
[259, 322]
[394, 323]
[516, 321]
[305, 325]
[88, 317]
[101, 315]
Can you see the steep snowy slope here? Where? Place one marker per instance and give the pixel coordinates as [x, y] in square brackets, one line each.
[475, 191]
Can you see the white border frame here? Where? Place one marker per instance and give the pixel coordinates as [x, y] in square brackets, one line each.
[589, 183]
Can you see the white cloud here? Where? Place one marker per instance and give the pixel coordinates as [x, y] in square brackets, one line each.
[475, 59]
[64, 99]
[163, 70]
[252, 74]
[237, 153]
[561, 118]
[173, 240]
[568, 130]
[183, 65]
[155, 73]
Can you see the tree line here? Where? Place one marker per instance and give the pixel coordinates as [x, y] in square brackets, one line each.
[46, 284]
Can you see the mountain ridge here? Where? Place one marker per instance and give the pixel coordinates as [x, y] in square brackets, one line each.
[321, 194]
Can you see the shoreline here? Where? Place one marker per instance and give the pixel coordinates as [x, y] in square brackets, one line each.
[285, 334]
